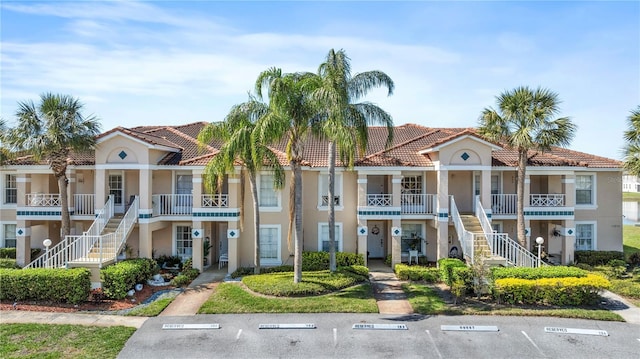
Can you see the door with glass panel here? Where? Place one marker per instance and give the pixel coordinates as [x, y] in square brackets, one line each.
[116, 189]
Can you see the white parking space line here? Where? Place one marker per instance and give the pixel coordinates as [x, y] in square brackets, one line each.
[335, 337]
[639, 340]
[239, 333]
[532, 343]
[434, 343]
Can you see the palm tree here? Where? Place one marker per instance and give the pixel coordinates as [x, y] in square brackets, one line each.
[345, 120]
[50, 131]
[4, 152]
[632, 147]
[290, 117]
[242, 145]
[524, 121]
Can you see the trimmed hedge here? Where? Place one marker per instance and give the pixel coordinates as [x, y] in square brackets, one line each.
[416, 273]
[51, 284]
[315, 261]
[552, 291]
[597, 258]
[446, 266]
[117, 279]
[537, 273]
[11, 253]
[8, 263]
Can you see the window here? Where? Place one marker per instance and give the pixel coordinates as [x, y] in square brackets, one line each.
[411, 185]
[184, 242]
[585, 236]
[584, 189]
[323, 190]
[184, 190]
[412, 237]
[270, 245]
[9, 240]
[323, 237]
[268, 196]
[495, 184]
[10, 189]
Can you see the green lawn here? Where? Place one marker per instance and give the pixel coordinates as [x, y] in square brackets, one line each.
[630, 195]
[152, 310]
[61, 341]
[233, 298]
[426, 300]
[313, 283]
[630, 239]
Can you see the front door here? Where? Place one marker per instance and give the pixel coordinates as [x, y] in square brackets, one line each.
[375, 239]
[116, 189]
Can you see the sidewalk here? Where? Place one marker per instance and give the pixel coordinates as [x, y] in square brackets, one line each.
[387, 289]
[615, 303]
[200, 289]
[101, 320]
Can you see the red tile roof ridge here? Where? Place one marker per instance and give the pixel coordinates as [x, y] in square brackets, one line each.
[457, 132]
[198, 158]
[189, 138]
[618, 162]
[402, 144]
[143, 136]
[569, 161]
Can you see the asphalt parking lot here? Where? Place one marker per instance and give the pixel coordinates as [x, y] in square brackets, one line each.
[380, 336]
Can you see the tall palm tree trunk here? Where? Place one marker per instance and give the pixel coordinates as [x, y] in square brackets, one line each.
[256, 222]
[522, 168]
[297, 263]
[332, 216]
[65, 228]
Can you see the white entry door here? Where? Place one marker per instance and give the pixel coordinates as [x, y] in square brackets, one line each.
[116, 189]
[375, 239]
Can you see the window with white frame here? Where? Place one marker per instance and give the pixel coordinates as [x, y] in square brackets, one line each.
[585, 189]
[8, 235]
[323, 237]
[585, 236]
[268, 195]
[411, 185]
[323, 190]
[412, 237]
[495, 184]
[184, 242]
[270, 244]
[10, 189]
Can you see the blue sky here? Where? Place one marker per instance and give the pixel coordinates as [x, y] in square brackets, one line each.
[169, 62]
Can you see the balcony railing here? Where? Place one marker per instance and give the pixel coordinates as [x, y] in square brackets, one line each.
[379, 200]
[84, 204]
[172, 204]
[418, 203]
[215, 200]
[43, 199]
[546, 200]
[507, 203]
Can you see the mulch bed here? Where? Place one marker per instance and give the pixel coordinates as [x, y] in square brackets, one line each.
[94, 304]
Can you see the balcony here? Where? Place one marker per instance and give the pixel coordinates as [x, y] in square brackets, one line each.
[507, 203]
[379, 200]
[43, 200]
[215, 201]
[172, 204]
[84, 204]
[417, 203]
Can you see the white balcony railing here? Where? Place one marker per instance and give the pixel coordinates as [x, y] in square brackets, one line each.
[215, 200]
[172, 204]
[546, 200]
[43, 200]
[379, 200]
[84, 204]
[418, 203]
[504, 203]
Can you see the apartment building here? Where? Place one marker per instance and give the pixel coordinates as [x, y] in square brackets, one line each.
[434, 193]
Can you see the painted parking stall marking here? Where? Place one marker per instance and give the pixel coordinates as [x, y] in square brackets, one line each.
[469, 328]
[190, 326]
[380, 326]
[556, 330]
[288, 326]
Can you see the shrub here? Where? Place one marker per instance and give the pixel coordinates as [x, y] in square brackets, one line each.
[634, 259]
[191, 273]
[241, 272]
[617, 263]
[358, 270]
[52, 284]
[461, 282]
[8, 263]
[117, 279]
[596, 258]
[537, 273]
[417, 273]
[165, 261]
[553, 291]
[446, 266]
[8, 253]
[181, 280]
[277, 269]
[584, 266]
[387, 260]
[315, 261]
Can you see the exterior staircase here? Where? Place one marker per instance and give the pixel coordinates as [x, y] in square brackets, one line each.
[106, 250]
[481, 248]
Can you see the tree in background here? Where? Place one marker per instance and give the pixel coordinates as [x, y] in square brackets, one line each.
[632, 147]
[524, 121]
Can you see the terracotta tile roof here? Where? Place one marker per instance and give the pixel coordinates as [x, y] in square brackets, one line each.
[408, 141]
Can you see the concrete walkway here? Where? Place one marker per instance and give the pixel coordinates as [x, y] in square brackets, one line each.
[615, 303]
[200, 289]
[387, 289]
[101, 320]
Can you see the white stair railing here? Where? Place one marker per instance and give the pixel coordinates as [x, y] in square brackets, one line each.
[124, 228]
[465, 237]
[503, 246]
[72, 248]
